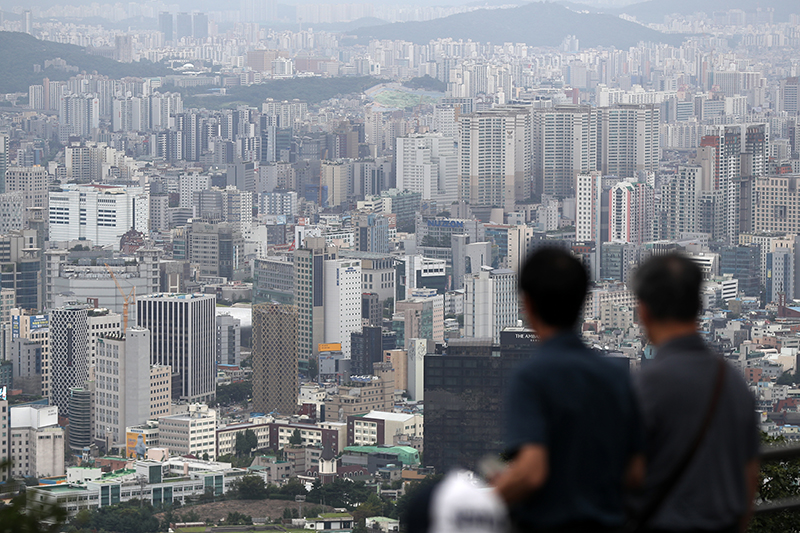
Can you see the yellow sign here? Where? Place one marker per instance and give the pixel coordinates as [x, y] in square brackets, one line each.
[135, 444]
[330, 347]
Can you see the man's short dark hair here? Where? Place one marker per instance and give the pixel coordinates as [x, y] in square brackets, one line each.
[556, 283]
[669, 285]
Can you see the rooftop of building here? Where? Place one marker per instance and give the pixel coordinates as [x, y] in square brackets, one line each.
[385, 415]
[176, 296]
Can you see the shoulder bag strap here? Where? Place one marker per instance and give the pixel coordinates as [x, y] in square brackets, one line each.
[669, 484]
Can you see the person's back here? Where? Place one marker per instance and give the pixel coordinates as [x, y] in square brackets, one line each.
[700, 477]
[586, 405]
[572, 428]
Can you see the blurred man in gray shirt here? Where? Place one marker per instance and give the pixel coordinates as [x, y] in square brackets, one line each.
[715, 488]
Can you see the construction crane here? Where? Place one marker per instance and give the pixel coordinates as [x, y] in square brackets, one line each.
[129, 298]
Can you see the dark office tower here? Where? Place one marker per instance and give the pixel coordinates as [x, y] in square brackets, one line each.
[366, 348]
[183, 331]
[80, 418]
[200, 29]
[464, 387]
[165, 26]
[69, 353]
[275, 361]
[744, 263]
[371, 309]
[184, 25]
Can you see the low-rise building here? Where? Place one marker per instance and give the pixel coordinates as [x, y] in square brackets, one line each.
[190, 433]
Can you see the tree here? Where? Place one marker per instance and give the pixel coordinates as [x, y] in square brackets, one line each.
[238, 519]
[287, 513]
[777, 480]
[786, 379]
[372, 507]
[251, 488]
[296, 439]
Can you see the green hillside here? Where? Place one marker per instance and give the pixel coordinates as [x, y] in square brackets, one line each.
[20, 52]
[536, 24]
[311, 90]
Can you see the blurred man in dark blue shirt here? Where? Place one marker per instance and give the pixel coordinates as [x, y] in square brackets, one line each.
[572, 426]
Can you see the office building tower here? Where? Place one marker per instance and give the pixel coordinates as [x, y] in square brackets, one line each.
[37, 442]
[371, 232]
[464, 387]
[27, 21]
[182, 328]
[336, 183]
[32, 182]
[780, 276]
[428, 163]
[229, 340]
[468, 257]
[4, 160]
[421, 316]
[69, 353]
[100, 214]
[628, 137]
[165, 26]
[790, 95]
[617, 260]
[189, 183]
[743, 263]
[341, 301]
[200, 26]
[224, 205]
[309, 282]
[216, 248]
[12, 212]
[80, 418]
[190, 433]
[564, 146]
[183, 26]
[122, 384]
[366, 348]
[495, 157]
[275, 358]
[490, 302]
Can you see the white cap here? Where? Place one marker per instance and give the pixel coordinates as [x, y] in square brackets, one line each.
[463, 504]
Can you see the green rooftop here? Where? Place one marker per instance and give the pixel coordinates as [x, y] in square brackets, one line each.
[406, 454]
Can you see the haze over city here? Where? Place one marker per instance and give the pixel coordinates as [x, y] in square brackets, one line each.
[260, 261]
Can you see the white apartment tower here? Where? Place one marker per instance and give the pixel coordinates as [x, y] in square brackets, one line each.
[564, 146]
[630, 213]
[495, 150]
[183, 329]
[427, 163]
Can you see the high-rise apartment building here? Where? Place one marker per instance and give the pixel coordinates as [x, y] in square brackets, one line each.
[564, 146]
[630, 213]
[182, 328]
[588, 207]
[495, 147]
[427, 163]
[490, 302]
[275, 358]
[628, 137]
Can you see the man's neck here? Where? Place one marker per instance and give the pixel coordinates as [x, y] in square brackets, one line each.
[664, 332]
